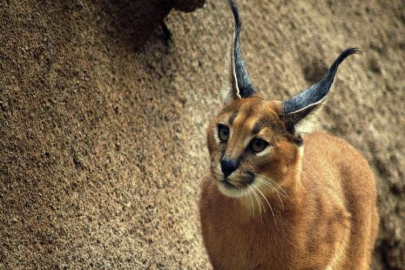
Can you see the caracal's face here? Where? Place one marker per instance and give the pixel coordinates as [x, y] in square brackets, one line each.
[249, 147]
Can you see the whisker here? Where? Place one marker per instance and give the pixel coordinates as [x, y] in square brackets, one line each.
[271, 181]
[251, 201]
[275, 190]
[281, 201]
[258, 200]
[280, 188]
[247, 189]
[267, 183]
[267, 203]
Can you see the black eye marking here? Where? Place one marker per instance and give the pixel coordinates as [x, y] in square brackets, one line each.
[258, 126]
[232, 118]
[223, 132]
[263, 123]
[257, 145]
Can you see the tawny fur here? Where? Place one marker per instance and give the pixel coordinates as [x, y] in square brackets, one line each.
[323, 214]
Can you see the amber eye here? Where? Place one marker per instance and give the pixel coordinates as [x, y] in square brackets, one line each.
[258, 145]
[223, 132]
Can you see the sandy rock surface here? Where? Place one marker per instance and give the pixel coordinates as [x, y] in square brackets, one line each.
[102, 148]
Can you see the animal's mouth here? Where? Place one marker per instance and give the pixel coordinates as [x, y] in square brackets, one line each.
[227, 184]
[235, 189]
[239, 185]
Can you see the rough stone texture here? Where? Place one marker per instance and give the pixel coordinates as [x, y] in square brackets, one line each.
[188, 5]
[102, 148]
[135, 21]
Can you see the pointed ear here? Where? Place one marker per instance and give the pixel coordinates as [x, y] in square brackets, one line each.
[239, 83]
[299, 109]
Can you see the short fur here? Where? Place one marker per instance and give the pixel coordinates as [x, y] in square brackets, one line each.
[303, 202]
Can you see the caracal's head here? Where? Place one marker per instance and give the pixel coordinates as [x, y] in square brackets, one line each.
[253, 142]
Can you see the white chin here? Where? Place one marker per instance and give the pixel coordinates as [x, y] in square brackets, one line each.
[229, 192]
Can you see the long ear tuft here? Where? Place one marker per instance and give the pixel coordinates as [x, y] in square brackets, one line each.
[240, 81]
[310, 100]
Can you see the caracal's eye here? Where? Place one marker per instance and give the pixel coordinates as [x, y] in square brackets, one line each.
[258, 145]
[223, 133]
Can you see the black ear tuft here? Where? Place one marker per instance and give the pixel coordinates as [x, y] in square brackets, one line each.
[298, 111]
[241, 76]
[300, 106]
[317, 92]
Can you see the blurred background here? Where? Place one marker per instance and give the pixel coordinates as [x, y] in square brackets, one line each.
[104, 109]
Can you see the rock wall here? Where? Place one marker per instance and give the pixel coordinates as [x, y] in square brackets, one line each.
[102, 140]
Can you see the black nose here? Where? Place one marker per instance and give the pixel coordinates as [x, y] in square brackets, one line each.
[228, 166]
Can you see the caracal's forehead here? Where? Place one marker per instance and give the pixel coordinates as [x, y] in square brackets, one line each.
[251, 114]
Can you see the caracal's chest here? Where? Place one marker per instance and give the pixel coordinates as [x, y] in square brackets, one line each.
[259, 243]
